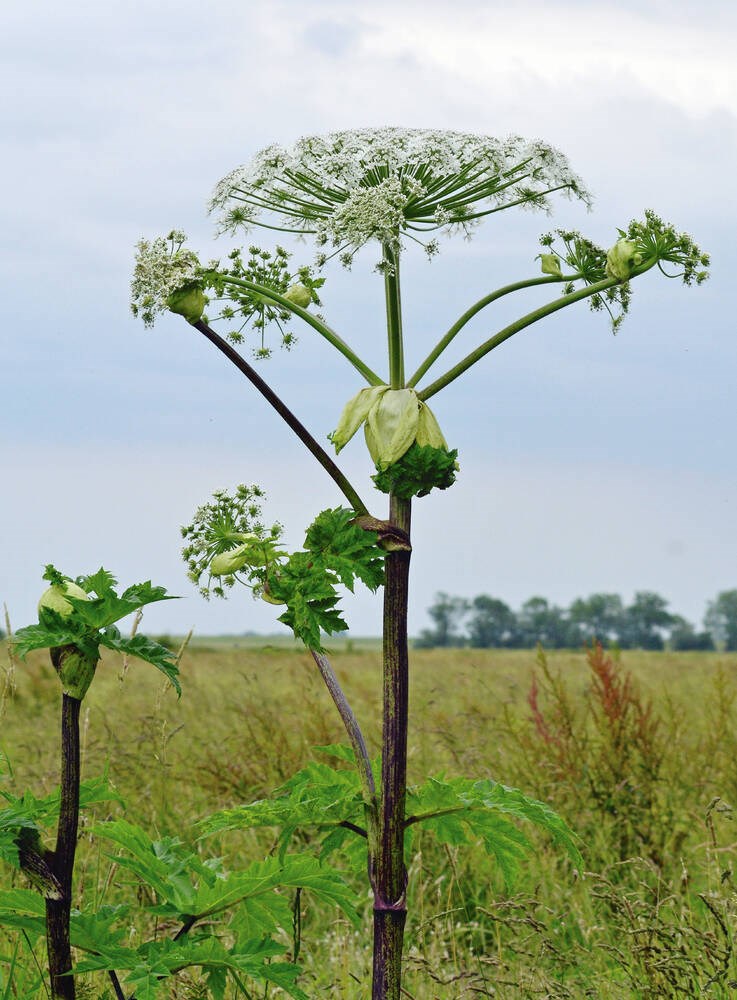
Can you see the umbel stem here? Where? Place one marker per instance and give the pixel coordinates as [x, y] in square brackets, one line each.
[389, 876]
[286, 414]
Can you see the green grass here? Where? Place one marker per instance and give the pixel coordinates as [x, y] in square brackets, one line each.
[635, 770]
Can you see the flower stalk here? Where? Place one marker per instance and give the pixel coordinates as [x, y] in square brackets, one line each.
[287, 416]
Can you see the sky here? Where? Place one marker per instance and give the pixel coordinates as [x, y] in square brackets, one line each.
[588, 462]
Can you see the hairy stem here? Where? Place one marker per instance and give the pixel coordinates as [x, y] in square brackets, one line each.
[389, 874]
[287, 416]
[58, 911]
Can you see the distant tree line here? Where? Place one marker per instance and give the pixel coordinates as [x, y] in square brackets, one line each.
[646, 623]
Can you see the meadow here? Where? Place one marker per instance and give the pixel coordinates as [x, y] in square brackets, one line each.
[635, 750]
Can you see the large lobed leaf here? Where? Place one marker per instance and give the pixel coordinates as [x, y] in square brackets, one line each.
[461, 811]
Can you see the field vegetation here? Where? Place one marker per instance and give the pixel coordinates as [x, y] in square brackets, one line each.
[635, 750]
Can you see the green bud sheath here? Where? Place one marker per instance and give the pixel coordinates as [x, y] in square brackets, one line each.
[225, 563]
[355, 411]
[428, 429]
[300, 295]
[391, 426]
[622, 259]
[189, 302]
[550, 264]
[74, 669]
[253, 552]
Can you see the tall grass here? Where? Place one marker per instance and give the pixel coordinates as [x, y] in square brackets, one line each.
[637, 752]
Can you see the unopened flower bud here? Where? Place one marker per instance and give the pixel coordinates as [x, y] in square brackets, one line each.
[300, 295]
[391, 425]
[54, 597]
[550, 264]
[188, 301]
[622, 259]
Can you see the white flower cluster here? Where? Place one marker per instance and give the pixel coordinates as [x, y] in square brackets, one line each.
[354, 186]
[162, 267]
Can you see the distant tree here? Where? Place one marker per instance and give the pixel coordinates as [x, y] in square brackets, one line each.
[645, 621]
[447, 613]
[599, 616]
[684, 636]
[2, 634]
[721, 620]
[539, 621]
[492, 623]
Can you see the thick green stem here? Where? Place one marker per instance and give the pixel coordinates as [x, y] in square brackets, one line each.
[322, 328]
[393, 316]
[520, 324]
[472, 311]
[389, 873]
[287, 416]
[58, 911]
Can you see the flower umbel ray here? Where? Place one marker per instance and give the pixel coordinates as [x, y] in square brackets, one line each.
[349, 187]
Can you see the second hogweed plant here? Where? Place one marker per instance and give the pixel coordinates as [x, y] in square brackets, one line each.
[392, 189]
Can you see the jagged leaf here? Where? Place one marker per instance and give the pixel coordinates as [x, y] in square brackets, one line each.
[145, 649]
[23, 909]
[460, 810]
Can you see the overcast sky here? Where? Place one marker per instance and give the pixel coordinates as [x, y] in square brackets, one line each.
[588, 462]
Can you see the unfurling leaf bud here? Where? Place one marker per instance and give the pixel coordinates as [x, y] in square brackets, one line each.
[551, 264]
[622, 260]
[188, 301]
[300, 295]
[391, 426]
[354, 413]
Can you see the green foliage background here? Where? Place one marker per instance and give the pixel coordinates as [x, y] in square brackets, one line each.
[648, 787]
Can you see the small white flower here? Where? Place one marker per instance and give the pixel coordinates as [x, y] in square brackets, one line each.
[162, 267]
[351, 187]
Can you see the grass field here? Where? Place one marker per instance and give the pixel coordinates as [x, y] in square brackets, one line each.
[638, 753]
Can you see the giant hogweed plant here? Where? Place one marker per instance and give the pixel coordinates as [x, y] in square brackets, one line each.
[392, 189]
[224, 923]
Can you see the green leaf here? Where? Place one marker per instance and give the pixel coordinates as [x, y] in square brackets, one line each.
[52, 631]
[152, 963]
[163, 865]
[24, 910]
[28, 812]
[336, 552]
[345, 548]
[146, 649]
[95, 931]
[101, 583]
[462, 811]
[420, 469]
